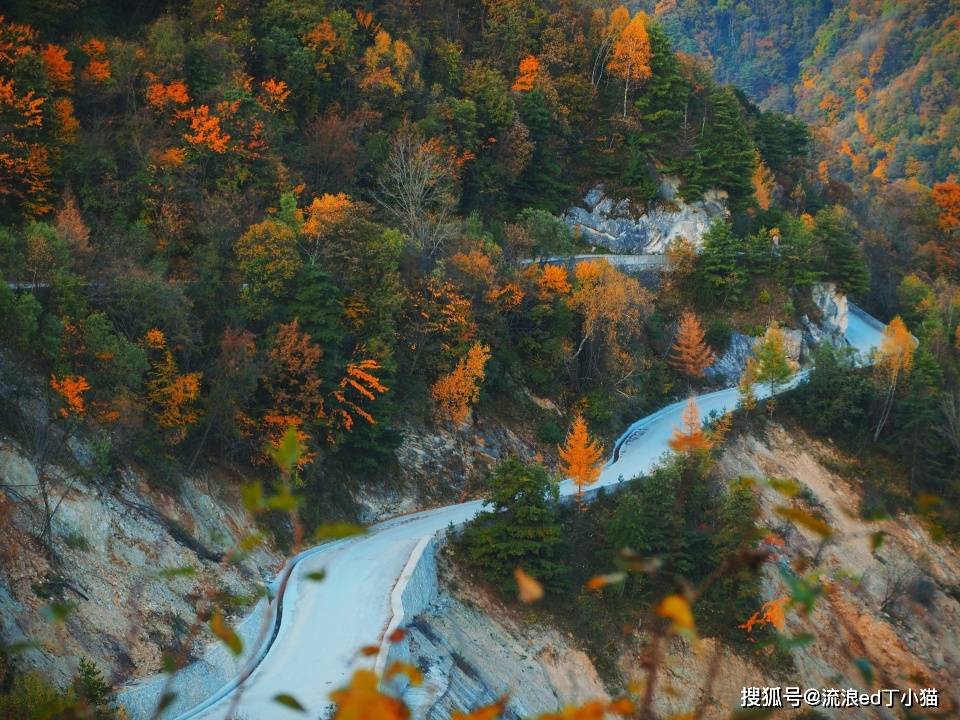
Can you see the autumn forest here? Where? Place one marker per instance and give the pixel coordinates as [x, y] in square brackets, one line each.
[269, 241]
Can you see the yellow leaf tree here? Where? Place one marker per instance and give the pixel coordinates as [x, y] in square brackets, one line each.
[690, 437]
[456, 391]
[893, 360]
[173, 394]
[630, 59]
[613, 307]
[580, 456]
[322, 218]
[764, 183]
[691, 355]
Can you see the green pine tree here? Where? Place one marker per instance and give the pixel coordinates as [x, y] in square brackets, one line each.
[725, 148]
[519, 530]
[840, 256]
[720, 267]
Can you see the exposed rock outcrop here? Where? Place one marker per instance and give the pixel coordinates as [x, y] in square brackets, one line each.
[834, 316]
[473, 650]
[111, 545]
[439, 463]
[621, 228]
[830, 328]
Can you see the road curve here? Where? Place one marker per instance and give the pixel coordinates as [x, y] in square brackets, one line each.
[314, 648]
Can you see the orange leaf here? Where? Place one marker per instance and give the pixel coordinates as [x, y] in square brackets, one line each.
[528, 589]
[601, 581]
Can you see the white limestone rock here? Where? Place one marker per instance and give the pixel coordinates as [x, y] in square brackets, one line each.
[620, 228]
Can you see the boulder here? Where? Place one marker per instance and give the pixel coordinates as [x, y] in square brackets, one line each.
[833, 309]
[616, 226]
[728, 368]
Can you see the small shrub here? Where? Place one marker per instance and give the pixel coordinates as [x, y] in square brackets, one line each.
[549, 431]
[923, 590]
[76, 541]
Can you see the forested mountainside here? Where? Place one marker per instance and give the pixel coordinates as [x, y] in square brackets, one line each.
[319, 252]
[223, 221]
[879, 85]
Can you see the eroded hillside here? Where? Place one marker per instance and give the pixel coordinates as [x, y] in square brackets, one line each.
[893, 608]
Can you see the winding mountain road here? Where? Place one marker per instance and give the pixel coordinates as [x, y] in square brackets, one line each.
[314, 647]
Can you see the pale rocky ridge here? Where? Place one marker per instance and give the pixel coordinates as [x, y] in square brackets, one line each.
[619, 227]
[114, 536]
[111, 545]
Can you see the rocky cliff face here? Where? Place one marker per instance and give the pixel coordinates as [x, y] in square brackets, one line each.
[621, 228]
[829, 327]
[473, 650]
[438, 463]
[111, 546]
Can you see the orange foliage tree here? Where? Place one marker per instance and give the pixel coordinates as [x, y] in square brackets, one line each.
[273, 95]
[172, 394]
[205, 132]
[690, 437]
[71, 227]
[527, 74]
[456, 391]
[386, 64]
[321, 218]
[947, 197]
[59, 70]
[691, 355]
[553, 281]
[300, 396]
[893, 360]
[31, 119]
[160, 95]
[98, 65]
[580, 456]
[475, 268]
[630, 59]
[71, 388]
[945, 251]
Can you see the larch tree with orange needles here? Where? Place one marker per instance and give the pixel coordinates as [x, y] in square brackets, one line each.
[630, 59]
[580, 456]
[893, 360]
[456, 391]
[691, 355]
[689, 437]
